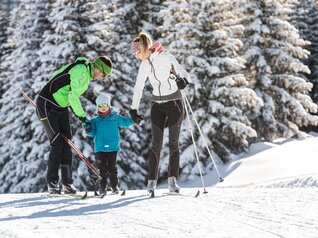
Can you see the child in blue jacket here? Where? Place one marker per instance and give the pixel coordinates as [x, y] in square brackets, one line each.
[105, 130]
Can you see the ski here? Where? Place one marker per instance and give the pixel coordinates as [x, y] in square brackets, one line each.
[123, 193]
[69, 195]
[84, 196]
[102, 195]
[183, 195]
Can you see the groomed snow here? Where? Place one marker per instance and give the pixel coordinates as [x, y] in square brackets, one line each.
[270, 192]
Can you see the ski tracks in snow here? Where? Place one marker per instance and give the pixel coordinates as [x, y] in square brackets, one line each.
[222, 212]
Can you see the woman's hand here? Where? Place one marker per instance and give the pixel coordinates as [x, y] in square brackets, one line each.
[181, 82]
[135, 116]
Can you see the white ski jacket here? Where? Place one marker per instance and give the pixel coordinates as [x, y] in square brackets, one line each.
[157, 69]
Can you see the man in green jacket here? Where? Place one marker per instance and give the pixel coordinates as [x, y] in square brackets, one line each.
[61, 92]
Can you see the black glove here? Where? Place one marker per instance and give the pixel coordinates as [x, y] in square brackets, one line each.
[83, 119]
[135, 116]
[181, 82]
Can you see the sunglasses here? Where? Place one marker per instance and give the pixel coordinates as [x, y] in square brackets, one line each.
[103, 105]
[104, 75]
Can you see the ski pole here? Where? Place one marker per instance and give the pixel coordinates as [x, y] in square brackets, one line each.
[173, 72]
[195, 147]
[82, 156]
[69, 142]
[206, 144]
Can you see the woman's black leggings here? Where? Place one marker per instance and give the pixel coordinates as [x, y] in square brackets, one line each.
[161, 113]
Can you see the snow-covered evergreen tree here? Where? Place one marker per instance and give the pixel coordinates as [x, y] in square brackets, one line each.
[109, 33]
[204, 37]
[22, 156]
[135, 140]
[63, 41]
[4, 22]
[148, 13]
[4, 47]
[273, 52]
[305, 19]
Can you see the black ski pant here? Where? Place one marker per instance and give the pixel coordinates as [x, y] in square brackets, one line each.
[56, 121]
[170, 114]
[107, 165]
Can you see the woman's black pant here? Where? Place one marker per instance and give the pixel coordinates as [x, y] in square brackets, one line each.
[170, 113]
[107, 165]
[56, 121]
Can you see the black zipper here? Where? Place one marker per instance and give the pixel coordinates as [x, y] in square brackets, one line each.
[169, 82]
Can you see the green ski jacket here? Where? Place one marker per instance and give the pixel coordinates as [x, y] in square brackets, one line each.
[69, 82]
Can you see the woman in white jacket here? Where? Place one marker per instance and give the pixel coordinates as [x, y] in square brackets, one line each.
[167, 77]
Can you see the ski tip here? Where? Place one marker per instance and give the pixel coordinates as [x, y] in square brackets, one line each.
[84, 196]
[197, 194]
[123, 193]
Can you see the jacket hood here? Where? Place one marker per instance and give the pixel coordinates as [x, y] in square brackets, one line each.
[157, 47]
[82, 59]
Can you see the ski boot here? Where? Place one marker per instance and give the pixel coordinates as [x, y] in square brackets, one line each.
[69, 188]
[115, 190]
[53, 188]
[102, 190]
[152, 184]
[172, 185]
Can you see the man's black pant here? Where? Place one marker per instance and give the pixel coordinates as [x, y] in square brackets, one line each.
[56, 121]
[161, 113]
[107, 165]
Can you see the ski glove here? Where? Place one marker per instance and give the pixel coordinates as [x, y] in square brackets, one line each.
[135, 116]
[84, 119]
[181, 82]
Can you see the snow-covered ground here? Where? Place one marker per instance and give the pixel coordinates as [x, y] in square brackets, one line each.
[271, 192]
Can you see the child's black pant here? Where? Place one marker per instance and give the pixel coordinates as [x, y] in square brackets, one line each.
[107, 165]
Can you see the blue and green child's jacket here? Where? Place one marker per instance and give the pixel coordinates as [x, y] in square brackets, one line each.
[105, 131]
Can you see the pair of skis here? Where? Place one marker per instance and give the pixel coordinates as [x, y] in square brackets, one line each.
[152, 193]
[123, 193]
[85, 195]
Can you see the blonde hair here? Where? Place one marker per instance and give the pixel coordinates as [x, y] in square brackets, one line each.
[145, 42]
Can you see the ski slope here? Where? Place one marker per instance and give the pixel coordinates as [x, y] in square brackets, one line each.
[272, 191]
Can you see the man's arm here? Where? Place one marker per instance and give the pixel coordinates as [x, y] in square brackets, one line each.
[77, 76]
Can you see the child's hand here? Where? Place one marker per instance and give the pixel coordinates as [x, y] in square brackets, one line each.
[88, 127]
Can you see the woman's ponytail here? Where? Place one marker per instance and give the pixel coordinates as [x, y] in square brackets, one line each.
[145, 42]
